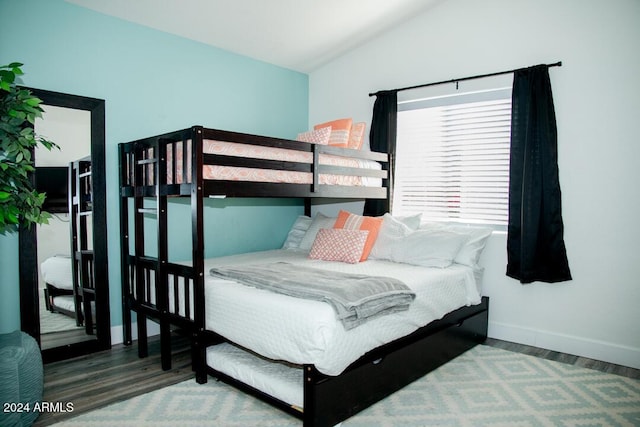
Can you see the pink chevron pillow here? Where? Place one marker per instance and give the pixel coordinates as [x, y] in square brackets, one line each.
[336, 244]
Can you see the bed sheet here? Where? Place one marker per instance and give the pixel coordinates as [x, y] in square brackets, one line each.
[300, 331]
[231, 173]
[57, 271]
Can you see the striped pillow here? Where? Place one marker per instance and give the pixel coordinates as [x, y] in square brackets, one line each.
[351, 221]
[340, 131]
[357, 135]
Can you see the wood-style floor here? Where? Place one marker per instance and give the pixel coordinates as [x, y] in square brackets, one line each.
[108, 377]
[100, 379]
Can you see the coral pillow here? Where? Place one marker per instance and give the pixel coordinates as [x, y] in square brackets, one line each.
[340, 131]
[351, 221]
[318, 136]
[357, 135]
[334, 244]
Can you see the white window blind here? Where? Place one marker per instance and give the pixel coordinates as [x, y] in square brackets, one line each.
[452, 161]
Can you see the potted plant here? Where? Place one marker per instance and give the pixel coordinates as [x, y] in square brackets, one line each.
[20, 203]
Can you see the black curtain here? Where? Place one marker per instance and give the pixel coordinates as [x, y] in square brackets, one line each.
[535, 242]
[382, 138]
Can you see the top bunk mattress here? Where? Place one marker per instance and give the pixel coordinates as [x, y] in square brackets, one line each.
[250, 174]
[302, 331]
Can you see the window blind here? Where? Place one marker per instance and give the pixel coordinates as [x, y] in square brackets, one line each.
[452, 160]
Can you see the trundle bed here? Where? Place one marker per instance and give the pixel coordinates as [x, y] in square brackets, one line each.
[288, 351]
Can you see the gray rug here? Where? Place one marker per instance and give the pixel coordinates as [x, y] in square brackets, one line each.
[483, 387]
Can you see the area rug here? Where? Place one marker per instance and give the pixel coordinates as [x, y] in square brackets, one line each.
[485, 386]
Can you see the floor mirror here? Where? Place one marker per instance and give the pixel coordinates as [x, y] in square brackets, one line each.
[64, 287]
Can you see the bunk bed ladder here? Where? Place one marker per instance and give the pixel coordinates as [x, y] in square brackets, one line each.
[144, 179]
[80, 211]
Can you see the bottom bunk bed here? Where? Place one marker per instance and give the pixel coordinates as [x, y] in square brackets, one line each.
[297, 356]
[59, 297]
[67, 294]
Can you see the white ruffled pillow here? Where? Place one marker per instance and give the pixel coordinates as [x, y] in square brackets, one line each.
[319, 221]
[297, 232]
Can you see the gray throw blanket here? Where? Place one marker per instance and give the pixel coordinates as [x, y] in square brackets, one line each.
[355, 297]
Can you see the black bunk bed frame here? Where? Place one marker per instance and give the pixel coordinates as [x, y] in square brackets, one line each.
[80, 213]
[79, 200]
[328, 400]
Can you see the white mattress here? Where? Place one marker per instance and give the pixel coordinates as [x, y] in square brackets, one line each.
[56, 271]
[300, 331]
[65, 302]
[280, 380]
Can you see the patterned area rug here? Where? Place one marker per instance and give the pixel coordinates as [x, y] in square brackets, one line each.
[484, 387]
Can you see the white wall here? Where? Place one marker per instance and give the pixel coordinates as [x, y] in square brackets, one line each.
[597, 99]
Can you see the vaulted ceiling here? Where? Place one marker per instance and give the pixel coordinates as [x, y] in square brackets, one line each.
[301, 35]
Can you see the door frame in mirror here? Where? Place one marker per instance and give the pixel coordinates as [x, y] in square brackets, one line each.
[28, 269]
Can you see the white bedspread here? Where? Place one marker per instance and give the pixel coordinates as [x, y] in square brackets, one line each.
[303, 331]
[56, 271]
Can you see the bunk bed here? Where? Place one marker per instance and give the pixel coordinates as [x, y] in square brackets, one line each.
[197, 163]
[69, 280]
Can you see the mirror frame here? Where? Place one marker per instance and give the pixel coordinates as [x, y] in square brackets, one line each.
[28, 269]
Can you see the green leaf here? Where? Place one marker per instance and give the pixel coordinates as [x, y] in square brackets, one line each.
[33, 102]
[7, 76]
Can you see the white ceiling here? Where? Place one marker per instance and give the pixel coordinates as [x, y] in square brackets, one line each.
[297, 34]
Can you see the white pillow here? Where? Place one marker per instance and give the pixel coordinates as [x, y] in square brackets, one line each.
[391, 230]
[411, 221]
[297, 232]
[319, 221]
[426, 248]
[476, 239]
[473, 246]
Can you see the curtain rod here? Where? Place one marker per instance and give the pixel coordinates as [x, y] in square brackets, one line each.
[480, 76]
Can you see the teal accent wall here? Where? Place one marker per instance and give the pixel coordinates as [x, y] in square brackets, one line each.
[152, 82]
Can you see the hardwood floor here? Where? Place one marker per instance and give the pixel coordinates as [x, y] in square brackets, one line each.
[107, 377]
[98, 380]
[583, 362]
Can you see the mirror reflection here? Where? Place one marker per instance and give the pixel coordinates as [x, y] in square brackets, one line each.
[67, 309]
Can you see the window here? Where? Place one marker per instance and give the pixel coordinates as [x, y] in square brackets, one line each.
[452, 159]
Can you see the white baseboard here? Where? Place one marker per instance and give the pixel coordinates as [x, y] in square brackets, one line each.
[592, 349]
[117, 334]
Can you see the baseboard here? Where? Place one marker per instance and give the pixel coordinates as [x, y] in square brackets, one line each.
[117, 334]
[592, 349]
